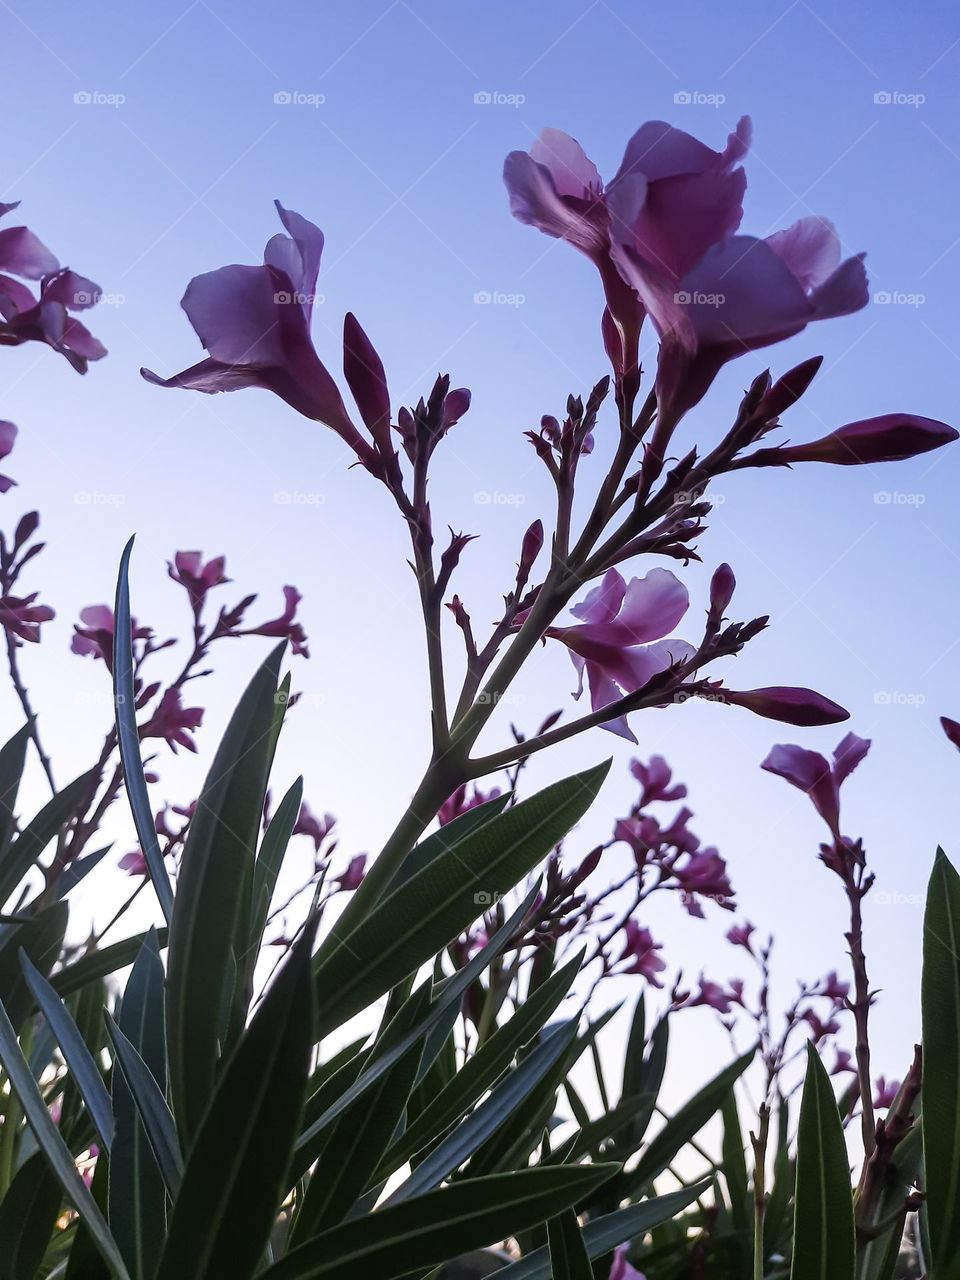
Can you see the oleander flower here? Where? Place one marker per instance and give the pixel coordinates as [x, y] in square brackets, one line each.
[8, 434]
[612, 646]
[254, 322]
[640, 950]
[26, 317]
[173, 722]
[197, 578]
[94, 638]
[819, 778]
[21, 617]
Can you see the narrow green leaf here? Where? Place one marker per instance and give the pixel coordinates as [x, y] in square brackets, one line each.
[84, 1071]
[445, 837]
[603, 1235]
[235, 1176]
[54, 1148]
[28, 1215]
[152, 1108]
[569, 1259]
[137, 1193]
[420, 917]
[490, 1116]
[823, 1235]
[734, 1165]
[13, 756]
[451, 992]
[20, 854]
[433, 1228]
[686, 1123]
[483, 1068]
[940, 1004]
[41, 937]
[128, 738]
[211, 915]
[101, 962]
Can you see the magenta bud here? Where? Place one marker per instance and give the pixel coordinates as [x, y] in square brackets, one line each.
[952, 730]
[722, 586]
[455, 405]
[586, 867]
[889, 438]
[367, 381]
[788, 389]
[804, 707]
[530, 547]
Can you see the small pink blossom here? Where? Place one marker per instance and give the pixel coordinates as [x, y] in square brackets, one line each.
[8, 434]
[886, 1092]
[821, 780]
[134, 863]
[196, 577]
[656, 780]
[641, 951]
[307, 824]
[173, 722]
[352, 878]
[22, 618]
[461, 801]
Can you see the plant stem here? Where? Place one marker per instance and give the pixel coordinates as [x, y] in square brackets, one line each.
[24, 696]
[759, 1143]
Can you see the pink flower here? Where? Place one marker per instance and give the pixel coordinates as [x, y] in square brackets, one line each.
[655, 779]
[8, 434]
[713, 995]
[671, 198]
[461, 802]
[843, 1063]
[95, 637]
[641, 950]
[833, 988]
[741, 935]
[821, 780]
[198, 578]
[704, 876]
[284, 625]
[26, 318]
[886, 1092]
[352, 878]
[316, 828]
[134, 863]
[255, 324]
[746, 293]
[173, 722]
[22, 618]
[612, 645]
[621, 1268]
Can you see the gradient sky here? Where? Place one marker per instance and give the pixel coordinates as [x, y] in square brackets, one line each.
[147, 145]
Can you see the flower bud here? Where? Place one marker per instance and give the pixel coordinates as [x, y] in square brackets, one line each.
[797, 706]
[889, 438]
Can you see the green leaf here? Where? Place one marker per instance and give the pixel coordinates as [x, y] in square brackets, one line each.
[158, 1123]
[128, 738]
[437, 903]
[41, 937]
[362, 1133]
[734, 1168]
[211, 914]
[17, 857]
[569, 1259]
[13, 756]
[605, 1234]
[83, 1069]
[235, 1176]
[137, 1194]
[28, 1215]
[431, 1229]
[101, 962]
[940, 1002]
[686, 1123]
[445, 837]
[451, 992]
[823, 1235]
[54, 1148]
[483, 1068]
[490, 1116]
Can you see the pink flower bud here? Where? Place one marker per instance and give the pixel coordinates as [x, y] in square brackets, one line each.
[367, 381]
[788, 389]
[889, 438]
[799, 706]
[722, 586]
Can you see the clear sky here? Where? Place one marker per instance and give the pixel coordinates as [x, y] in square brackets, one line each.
[147, 144]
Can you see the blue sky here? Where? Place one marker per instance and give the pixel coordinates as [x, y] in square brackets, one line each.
[147, 145]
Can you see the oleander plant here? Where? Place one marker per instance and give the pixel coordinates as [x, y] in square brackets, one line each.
[400, 1069]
